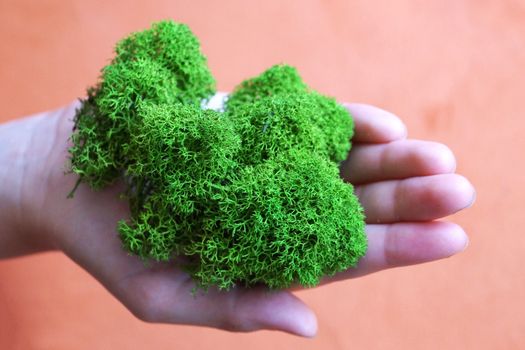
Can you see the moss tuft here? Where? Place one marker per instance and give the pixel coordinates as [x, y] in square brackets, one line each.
[180, 161]
[279, 79]
[173, 46]
[278, 109]
[160, 65]
[287, 220]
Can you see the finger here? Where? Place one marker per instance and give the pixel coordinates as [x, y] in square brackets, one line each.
[415, 199]
[403, 244]
[396, 160]
[161, 298]
[374, 125]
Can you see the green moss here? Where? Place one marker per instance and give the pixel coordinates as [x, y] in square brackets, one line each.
[277, 109]
[174, 47]
[288, 220]
[274, 124]
[180, 160]
[336, 124]
[279, 79]
[160, 65]
[249, 195]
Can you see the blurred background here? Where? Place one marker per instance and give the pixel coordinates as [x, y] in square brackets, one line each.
[453, 70]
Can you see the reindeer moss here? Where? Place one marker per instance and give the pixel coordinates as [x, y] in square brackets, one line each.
[279, 79]
[248, 195]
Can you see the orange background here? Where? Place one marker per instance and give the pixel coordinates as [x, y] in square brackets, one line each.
[453, 70]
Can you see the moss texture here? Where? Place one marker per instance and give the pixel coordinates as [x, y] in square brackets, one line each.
[248, 195]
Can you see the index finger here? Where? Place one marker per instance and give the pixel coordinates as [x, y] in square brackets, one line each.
[375, 125]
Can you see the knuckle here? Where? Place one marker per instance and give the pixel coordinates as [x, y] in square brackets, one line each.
[235, 319]
[147, 306]
[234, 324]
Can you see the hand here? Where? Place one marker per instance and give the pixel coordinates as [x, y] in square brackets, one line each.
[402, 184]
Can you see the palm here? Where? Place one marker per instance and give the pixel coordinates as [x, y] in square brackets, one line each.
[402, 184]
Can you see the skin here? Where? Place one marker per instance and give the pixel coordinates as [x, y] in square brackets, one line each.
[404, 185]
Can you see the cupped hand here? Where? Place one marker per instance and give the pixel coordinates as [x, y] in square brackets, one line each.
[404, 186]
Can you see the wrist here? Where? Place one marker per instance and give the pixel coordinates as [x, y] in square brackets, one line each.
[27, 168]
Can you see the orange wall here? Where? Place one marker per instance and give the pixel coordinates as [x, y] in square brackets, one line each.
[453, 70]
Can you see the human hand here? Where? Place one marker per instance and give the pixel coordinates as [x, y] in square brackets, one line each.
[402, 184]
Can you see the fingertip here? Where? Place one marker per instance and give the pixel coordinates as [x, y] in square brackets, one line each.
[307, 327]
[398, 129]
[459, 240]
[448, 239]
[285, 312]
[417, 243]
[460, 193]
[469, 190]
[437, 157]
[375, 125]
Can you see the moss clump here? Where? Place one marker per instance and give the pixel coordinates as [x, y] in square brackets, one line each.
[175, 48]
[280, 79]
[270, 125]
[179, 162]
[249, 195]
[279, 103]
[285, 220]
[160, 65]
